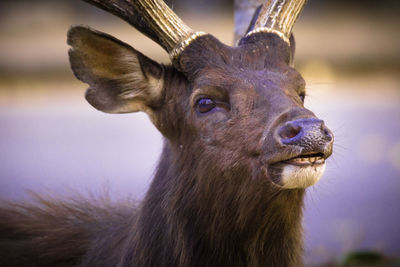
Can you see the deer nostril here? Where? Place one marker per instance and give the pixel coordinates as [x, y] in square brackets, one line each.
[327, 133]
[289, 131]
[309, 133]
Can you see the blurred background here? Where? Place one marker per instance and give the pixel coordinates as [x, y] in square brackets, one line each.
[51, 140]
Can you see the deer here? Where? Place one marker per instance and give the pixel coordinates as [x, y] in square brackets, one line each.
[240, 149]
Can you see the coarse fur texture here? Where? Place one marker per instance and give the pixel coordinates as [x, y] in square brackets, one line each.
[51, 232]
[232, 118]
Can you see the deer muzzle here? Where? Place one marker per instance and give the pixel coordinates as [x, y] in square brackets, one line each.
[310, 144]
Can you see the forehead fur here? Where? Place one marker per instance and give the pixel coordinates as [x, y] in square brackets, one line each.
[259, 52]
[233, 79]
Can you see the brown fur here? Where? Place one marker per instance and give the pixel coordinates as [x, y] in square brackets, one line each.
[51, 232]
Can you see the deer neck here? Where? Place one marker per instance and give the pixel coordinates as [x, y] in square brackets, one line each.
[188, 227]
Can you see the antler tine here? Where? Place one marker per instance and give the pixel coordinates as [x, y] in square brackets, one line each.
[154, 19]
[278, 17]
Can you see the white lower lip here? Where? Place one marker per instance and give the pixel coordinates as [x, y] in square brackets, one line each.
[301, 176]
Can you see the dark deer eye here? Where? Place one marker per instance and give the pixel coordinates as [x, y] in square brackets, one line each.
[205, 105]
[302, 97]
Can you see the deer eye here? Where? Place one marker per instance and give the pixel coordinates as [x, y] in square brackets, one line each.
[205, 105]
[302, 96]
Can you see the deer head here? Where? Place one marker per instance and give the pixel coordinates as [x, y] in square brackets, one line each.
[230, 106]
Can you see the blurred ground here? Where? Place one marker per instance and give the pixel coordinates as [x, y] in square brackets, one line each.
[52, 140]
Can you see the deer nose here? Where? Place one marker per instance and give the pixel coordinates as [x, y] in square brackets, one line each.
[309, 133]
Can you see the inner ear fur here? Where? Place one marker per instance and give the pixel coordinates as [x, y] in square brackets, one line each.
[121, 79]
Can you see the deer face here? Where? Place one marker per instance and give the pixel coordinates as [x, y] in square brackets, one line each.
[218, 106]
[247, 106]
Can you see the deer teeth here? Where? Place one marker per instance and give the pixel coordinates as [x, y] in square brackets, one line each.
[307, 161]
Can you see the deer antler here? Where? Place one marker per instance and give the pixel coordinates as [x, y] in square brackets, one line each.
[244, 11]
[155, 19]
[278, 17]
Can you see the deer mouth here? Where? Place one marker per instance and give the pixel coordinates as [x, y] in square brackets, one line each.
[306, 160]
[300, 171]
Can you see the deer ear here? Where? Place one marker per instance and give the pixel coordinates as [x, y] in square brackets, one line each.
[121, 79]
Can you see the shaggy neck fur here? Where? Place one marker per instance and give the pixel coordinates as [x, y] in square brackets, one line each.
[215, 218]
